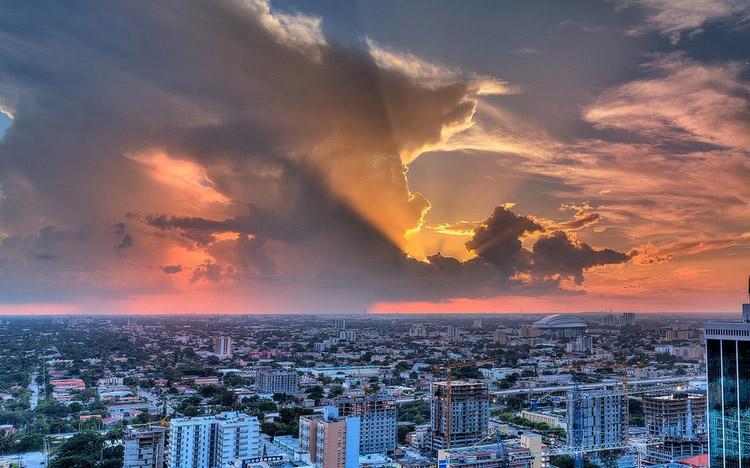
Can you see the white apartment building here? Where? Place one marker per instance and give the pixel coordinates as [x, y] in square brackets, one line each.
[212, 441]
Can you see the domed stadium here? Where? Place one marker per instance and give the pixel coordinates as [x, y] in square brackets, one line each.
[559, 321]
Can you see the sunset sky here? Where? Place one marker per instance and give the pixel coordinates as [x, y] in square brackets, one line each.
[243, 156]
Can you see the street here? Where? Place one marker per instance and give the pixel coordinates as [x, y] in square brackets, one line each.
[29, 459]
[34, 387]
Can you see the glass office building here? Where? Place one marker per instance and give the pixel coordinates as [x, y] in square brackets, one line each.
[728, 370]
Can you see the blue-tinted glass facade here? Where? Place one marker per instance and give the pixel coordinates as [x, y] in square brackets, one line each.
[728, 370]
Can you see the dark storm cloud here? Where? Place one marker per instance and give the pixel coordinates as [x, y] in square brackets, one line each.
[127, 241]
[239, 134]
[556, 253]
[171, 269]
[498, 240]
[211, 272]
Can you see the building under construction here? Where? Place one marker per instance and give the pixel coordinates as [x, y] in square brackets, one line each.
[144, 447]
[485, 456]
[679, 420]
[469, 419]
[603, 418]
[378, 421]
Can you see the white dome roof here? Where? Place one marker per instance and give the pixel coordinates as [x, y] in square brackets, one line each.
[560, 321]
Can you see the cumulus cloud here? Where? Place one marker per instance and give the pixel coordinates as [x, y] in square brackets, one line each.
[233, 146]
[499, 241]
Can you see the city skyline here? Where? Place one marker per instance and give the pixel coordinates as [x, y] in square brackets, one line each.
[309, 157]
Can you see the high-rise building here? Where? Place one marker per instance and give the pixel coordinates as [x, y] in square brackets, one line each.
[276, 381]
[378, 421]
[470, 412]
[580, 345]
[605, 417]
[340, 324]
[610, 321]
[211, 441]
[728, 370]
[477, 323]
[498, 336]
[144, 448]
[332, 442]
[628, 319]
[679, 420]
[418, 330]
[348, 335]
[453, 332]
[223, 346]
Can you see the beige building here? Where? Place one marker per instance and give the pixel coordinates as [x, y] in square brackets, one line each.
[332, 442]
[533, 442]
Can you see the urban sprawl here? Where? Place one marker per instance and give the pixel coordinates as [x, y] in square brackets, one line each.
[483, 391]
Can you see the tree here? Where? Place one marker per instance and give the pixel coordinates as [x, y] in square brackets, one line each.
[609, 458]
[403, 430]
[75, 407]
[417, 412]
[566, 461]
[233, 380]
[335, 391]
[114, 435]
[315, 392]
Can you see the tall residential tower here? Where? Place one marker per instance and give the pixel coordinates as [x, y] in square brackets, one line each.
[728, 369]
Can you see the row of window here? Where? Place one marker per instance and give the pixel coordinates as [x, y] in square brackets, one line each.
[720, 331]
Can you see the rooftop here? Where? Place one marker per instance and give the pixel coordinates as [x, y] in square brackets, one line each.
[560, 321]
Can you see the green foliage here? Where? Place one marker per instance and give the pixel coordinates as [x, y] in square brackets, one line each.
[87, 450]
[417, 412]
[315, 392]
[523, 422]
[403, 430]
[566, 461]
[468, 372]
[287, 422]
[233, 380]
[635, 407]
[335, 391]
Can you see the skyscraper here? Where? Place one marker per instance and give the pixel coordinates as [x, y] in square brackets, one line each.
[728, 370]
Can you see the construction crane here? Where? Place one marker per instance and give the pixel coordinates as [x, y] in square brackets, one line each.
[502, 453]
[577, 424]
[448, 398]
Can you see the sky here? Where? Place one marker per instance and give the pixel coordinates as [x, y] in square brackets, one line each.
[251, 156]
